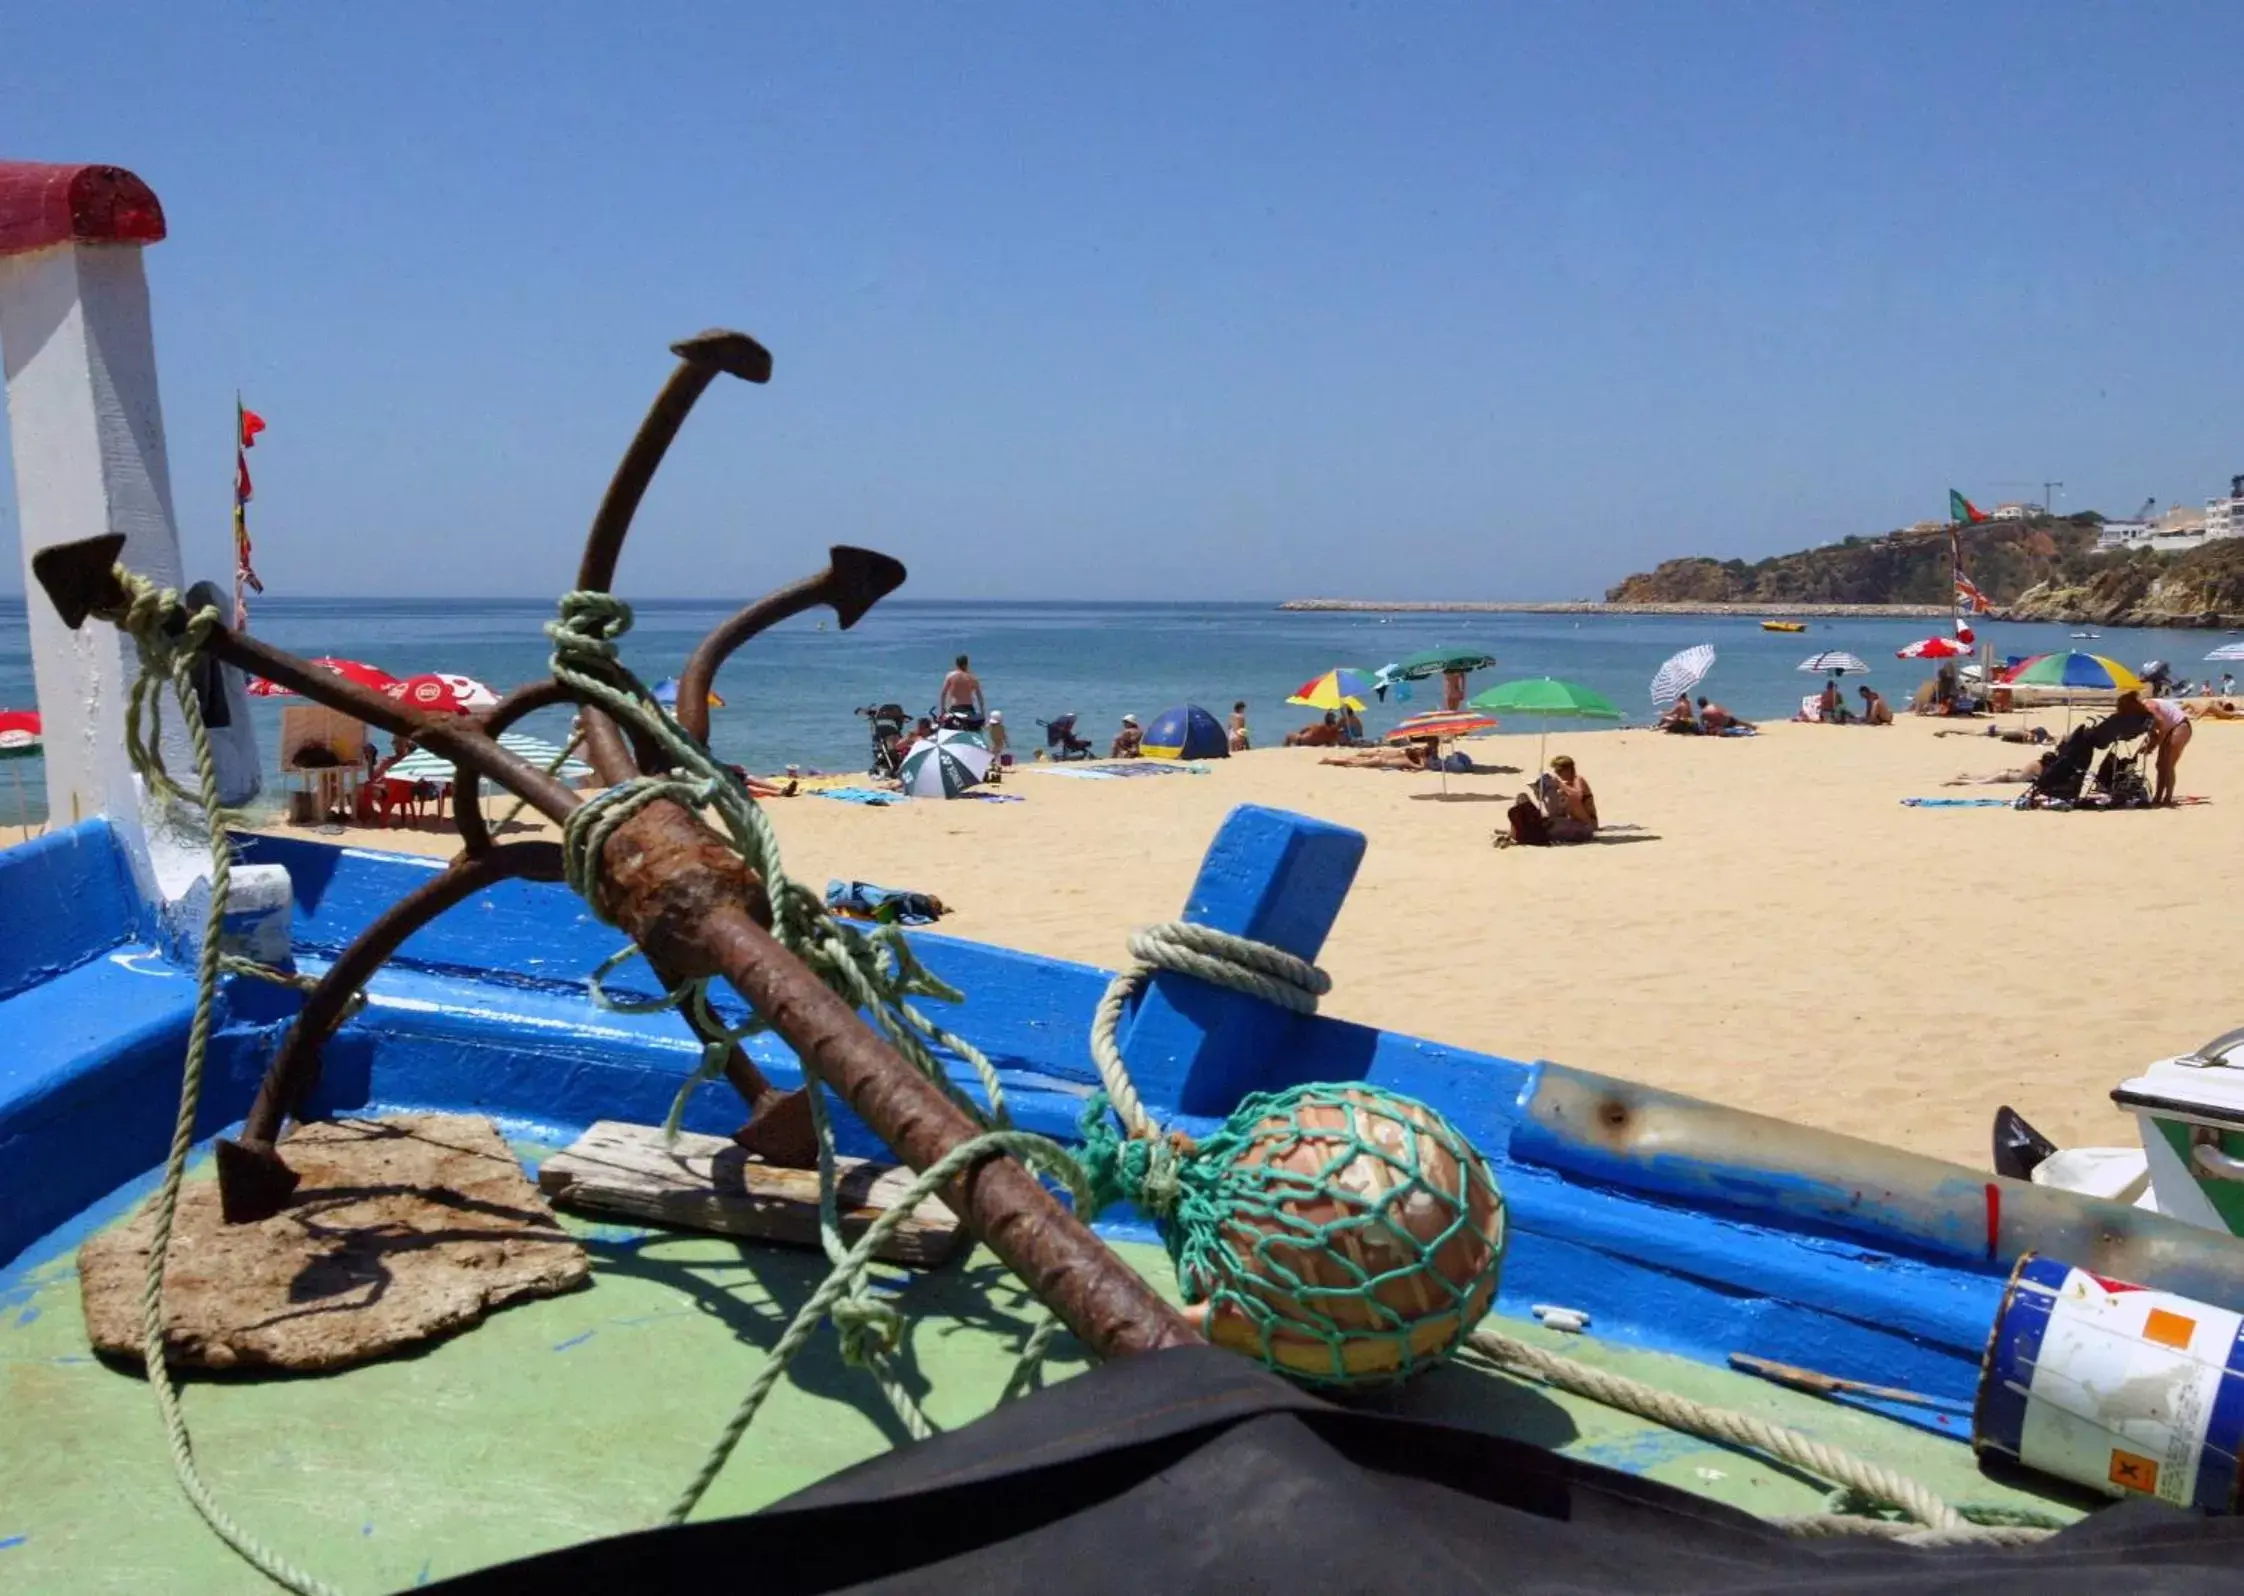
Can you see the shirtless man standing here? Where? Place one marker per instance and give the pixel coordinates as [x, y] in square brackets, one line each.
[961, 690]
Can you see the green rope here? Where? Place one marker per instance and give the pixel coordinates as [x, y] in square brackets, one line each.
[1239, 1220]
[166, 661]
[875, 972]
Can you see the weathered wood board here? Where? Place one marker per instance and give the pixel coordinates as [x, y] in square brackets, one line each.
[708, 1183]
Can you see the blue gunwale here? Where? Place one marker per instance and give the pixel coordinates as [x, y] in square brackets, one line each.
[1691, 1229]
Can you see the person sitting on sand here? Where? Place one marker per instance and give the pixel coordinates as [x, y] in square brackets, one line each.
[1679, 721]
[1410, 756]
[1833, 704]
[758, 787]
[1875, 710]
[1323, 734]
[1239, 727]
[922, 729]
[1129, 742]
[1351, 725]
[1718, 720]
[1568, 801]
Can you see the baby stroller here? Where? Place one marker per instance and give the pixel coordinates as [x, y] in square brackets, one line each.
[1060, 738]
[888, 730]
[2066, 772]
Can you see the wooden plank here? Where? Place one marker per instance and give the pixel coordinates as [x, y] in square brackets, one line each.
[708, 1183]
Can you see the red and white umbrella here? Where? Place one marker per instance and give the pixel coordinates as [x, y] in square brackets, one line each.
[439, 691]
[350, 670]
[1932, 648]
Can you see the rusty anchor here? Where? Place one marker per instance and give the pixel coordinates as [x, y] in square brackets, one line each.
[669, 882]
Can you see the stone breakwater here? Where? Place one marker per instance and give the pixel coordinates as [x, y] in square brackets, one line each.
[1593, 607]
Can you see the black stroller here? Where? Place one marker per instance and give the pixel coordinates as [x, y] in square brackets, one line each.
[1060, 739]
[2117, 779]
[888, 731]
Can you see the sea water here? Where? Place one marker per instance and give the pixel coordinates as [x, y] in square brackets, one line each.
[790, 693]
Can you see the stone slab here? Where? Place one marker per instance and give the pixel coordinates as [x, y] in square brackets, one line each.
[404, 1229]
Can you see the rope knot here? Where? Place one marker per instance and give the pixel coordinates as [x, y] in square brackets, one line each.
[868, 1328]
[589, 624]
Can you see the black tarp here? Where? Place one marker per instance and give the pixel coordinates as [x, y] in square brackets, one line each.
[1196, 1471]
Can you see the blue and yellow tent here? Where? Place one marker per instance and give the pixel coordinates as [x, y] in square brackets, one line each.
[1185, 732]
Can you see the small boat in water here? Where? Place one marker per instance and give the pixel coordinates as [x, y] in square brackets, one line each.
[1784, 626]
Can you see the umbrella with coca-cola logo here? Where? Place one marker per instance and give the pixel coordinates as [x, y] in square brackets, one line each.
[440, 691]
[350, 670]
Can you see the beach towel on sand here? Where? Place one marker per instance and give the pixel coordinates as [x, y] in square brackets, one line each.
[874, 796]
[861, 900]
[1960, 803]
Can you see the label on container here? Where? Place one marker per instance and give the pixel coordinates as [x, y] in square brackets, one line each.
[2124, 1388]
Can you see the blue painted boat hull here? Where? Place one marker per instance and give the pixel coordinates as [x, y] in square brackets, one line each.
[1675, 1224]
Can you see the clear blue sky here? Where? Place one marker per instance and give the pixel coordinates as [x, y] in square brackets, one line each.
[1405, 300]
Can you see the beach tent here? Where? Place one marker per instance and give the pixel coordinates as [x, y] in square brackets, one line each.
[1185, 732]
[666, 694]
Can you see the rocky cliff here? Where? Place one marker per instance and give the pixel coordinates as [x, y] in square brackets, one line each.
[2045, 570]
[2204, 587]
[1899, 568]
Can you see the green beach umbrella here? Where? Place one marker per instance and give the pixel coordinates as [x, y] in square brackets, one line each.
[1547, 699]
[1436, 662]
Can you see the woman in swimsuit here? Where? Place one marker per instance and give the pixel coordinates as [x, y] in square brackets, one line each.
[2170, 734]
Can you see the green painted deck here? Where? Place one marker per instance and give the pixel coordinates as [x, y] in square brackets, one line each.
[581, 1416]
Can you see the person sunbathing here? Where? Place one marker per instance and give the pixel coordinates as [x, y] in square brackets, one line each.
[1410, 756]
[1718, 720]
[1323, 734]
[2032, 735]
[2224, 709]
[2004, 778]
[1875, 710]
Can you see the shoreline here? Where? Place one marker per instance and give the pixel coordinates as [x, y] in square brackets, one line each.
[1595, 607]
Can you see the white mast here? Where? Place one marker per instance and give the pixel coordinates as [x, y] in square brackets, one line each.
[88, 435]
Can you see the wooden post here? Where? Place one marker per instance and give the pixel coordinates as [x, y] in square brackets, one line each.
[1278, 878]
[88, 435]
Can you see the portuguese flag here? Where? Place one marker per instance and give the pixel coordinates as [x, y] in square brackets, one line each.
[1962, 509]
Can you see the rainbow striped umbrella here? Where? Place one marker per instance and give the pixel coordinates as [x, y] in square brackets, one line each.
[2074, 669]
[1442, 724]
[1342, 687]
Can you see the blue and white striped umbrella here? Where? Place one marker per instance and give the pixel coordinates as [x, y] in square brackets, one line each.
[945, 765]
[1835, 660]
[1682, 673]
[424, 764]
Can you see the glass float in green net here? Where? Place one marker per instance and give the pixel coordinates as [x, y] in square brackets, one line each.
[1343, 1234]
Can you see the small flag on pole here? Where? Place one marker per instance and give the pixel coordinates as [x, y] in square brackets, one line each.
[247, 425]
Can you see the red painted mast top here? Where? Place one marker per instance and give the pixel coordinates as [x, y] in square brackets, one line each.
[43, 205]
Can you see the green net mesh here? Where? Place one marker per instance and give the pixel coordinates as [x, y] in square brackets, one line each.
[1343, 1234]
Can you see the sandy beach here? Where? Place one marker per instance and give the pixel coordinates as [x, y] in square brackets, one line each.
[1764, 924]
